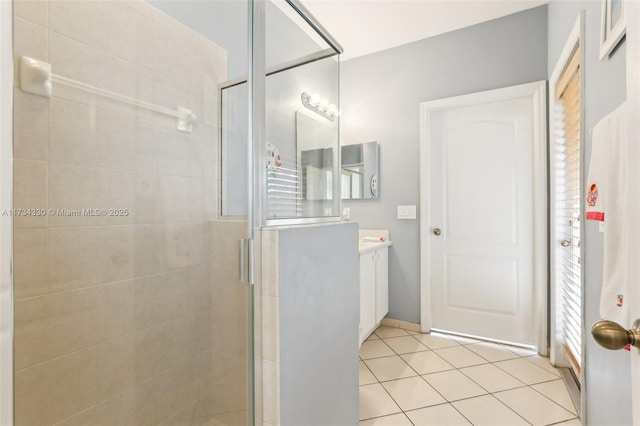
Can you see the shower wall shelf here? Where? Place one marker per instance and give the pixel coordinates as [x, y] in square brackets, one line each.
[36, 78]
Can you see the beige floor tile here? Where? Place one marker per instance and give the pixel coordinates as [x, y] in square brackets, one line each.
[375, 349]
[385, 332]
[466, 340]
[492, 352]
[438, 415]
[572, 422]
[526, 371]
[405, 344]
[366, 377]
[436, 341]
[521, 351]
[543, 361]
[376, 402]
[534, 407]
[454, 385]
[427, 362]
[389, 368]
[488, 411]
[557, 392]
[373, 336]
[393, 420]
[491, 377]
[413, 393]
[460, 356]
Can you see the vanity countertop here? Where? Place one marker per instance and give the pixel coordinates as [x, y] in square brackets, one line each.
[367, 246]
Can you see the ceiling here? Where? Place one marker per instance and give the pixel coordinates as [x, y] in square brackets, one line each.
[367, 26]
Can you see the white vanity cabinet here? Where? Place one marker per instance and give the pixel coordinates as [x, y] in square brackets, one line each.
[374, 286]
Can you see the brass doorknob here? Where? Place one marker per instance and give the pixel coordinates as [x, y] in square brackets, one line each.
[436, 231]
[612, 335]
[565, 243]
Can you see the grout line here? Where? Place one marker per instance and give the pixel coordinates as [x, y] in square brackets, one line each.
[573, 387]
[544, 381]
[511, 409]
[564, 421]
[489, 392]
[565, 387]
[459, 369]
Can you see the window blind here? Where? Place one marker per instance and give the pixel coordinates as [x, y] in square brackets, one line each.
[568, 201]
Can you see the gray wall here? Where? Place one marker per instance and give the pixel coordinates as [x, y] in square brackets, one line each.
[319, 294]
[607, 386]
[384, 107]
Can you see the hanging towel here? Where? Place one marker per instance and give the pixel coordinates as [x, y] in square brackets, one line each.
[611, 198]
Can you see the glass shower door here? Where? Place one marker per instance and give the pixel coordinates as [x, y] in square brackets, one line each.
[128, 305]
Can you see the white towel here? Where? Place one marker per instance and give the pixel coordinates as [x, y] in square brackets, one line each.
[612, 187]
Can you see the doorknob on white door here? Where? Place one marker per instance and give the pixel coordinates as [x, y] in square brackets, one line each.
[436, 231]
[612, 335]
[565, 243]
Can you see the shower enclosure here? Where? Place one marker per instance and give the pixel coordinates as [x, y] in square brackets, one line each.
[300, 127]
[143, 150]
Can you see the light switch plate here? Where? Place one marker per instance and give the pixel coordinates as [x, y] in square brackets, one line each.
[346, 213]
[406, 212]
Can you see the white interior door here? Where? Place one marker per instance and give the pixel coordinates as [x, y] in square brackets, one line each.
[479, 227]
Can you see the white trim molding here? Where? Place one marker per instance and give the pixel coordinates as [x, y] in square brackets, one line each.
[610, 33]
[632, 13]
[557, 353]
[537, 92]
[6, 222]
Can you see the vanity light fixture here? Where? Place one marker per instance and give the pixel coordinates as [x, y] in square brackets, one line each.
[319, 105]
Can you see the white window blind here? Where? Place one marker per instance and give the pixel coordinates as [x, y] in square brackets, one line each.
[567, 211]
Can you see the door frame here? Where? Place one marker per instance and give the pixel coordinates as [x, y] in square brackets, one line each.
[632, 11]
[538, 93]
[6, 204]
[557, 353]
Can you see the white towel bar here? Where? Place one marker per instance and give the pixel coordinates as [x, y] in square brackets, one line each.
[36, 78]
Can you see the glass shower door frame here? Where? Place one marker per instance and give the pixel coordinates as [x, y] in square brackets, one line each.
[256, 190]
[257, 95]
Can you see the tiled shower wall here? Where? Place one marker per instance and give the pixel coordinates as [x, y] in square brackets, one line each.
[114, 316]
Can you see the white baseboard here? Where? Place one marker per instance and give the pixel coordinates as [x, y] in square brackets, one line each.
[409, 326]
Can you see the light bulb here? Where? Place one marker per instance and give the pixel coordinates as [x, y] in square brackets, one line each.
[332, 110]
[314, 100]
[323, 105]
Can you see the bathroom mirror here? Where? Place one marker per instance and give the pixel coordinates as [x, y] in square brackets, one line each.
[317, 148]
[359, 171]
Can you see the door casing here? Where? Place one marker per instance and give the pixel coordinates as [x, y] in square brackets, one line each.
[632, 11]
[557, 352]
[537, 92]
[6, 204]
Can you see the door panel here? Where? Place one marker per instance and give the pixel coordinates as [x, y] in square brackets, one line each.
[481, 186]
[491, 291]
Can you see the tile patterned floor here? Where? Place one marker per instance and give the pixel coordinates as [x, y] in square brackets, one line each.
[409, 378]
